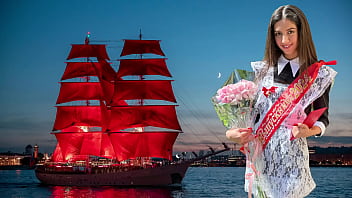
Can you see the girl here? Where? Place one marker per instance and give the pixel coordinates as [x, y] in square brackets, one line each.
[281, 169]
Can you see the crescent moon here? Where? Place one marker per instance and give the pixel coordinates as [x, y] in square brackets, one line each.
[219, 75]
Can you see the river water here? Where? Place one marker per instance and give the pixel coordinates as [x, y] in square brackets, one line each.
[199, 182]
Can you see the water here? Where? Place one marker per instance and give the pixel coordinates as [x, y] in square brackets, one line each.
[199, 182]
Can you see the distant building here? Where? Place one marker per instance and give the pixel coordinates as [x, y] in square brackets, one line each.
[36, 152]
[11, 160]
[28, 150]
[330, 156]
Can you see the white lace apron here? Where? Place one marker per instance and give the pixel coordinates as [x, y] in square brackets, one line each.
[283, 166]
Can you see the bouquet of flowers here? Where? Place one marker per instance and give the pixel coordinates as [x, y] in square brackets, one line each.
[233, 102]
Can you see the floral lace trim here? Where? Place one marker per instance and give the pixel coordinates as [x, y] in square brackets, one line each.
[284, 165]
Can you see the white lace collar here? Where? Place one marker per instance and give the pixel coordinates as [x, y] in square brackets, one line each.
[283, 61]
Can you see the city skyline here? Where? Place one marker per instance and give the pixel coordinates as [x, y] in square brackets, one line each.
[200, 39]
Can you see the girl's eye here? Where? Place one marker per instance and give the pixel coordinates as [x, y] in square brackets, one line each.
[291, 32]
[277, 34]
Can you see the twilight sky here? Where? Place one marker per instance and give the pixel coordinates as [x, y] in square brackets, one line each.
[199, 37]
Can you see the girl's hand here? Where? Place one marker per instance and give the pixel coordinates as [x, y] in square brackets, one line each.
[302, 130]
[240, 135]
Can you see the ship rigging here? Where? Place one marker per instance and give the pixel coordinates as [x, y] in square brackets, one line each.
[112, 128]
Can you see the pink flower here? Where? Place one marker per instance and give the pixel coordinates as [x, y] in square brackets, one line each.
[236, 93]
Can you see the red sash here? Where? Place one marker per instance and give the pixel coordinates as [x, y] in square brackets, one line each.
[287, 101]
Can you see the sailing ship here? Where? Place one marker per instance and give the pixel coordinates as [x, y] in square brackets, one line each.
[109, 131]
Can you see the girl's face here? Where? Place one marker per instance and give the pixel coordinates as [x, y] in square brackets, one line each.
[286, 37]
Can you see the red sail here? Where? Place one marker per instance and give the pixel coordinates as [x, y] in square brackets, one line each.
[74, 129]
[142, 47]
[67, 116]
[163, 116]
[57, 155]
[143, 144]
[107, 77]
[108, 91]
[85, 51]
[102, 69]
[72, 91]
[79, 69]
[97, 144]
[91, 143]
[70, 144]
[107, 149]
[137, 67]
[105, 71]
[144, 89]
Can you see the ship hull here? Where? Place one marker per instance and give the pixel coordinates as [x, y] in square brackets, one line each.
[157, 176]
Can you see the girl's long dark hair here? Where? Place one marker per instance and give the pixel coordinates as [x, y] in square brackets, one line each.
[306, 50]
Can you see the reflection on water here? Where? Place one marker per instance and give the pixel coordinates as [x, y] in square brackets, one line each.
[17, 183]
[215, 182]
[110, 191]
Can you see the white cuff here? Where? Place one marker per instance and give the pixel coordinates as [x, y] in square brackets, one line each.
[321, 125]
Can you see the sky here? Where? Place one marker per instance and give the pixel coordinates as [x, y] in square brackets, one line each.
[201, 38]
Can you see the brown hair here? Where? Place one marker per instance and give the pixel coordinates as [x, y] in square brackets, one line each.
[306, 50]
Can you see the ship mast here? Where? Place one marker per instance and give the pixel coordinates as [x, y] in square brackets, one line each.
[143, 130]
[117, 118]
[141, 77]
[87, 77]
[79, 127]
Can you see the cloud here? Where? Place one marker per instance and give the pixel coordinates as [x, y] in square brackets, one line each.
[22, 122]
[19, 131]
[340, 124]
[201, 129]
[207, 130]
[345, 116]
